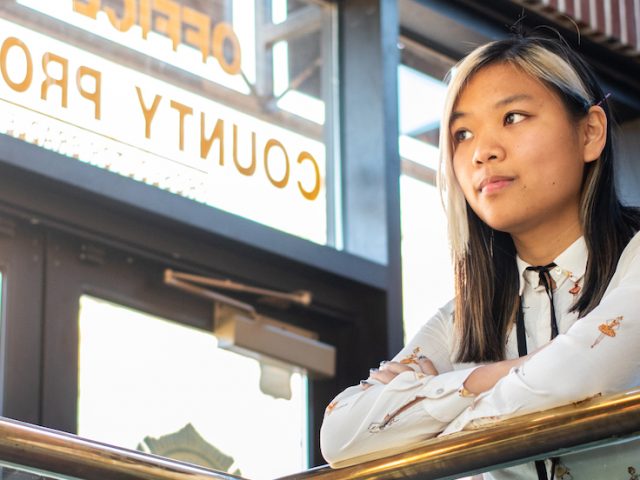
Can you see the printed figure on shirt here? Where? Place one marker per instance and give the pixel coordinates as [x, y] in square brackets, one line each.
[546, 262]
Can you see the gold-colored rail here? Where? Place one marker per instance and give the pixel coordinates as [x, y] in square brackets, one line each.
[65, 454]
[512, 441]
[571, 428]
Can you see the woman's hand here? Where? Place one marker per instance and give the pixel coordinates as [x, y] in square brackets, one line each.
[389, 370]
[485, 377]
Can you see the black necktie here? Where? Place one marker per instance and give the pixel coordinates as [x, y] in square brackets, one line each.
[547, 282]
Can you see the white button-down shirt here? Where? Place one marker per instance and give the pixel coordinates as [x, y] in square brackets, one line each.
[365, 423]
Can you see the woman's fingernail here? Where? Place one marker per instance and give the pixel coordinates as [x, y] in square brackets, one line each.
[384, 362]
[364, 382]
[422, 357]
[373, 370]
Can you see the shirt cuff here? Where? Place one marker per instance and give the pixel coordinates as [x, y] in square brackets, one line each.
[445, 399]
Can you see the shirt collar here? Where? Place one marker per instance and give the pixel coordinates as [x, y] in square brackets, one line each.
[571, 263]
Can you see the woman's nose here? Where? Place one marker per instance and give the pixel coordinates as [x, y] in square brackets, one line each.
[487, 150]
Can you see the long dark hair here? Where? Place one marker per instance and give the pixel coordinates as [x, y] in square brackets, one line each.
[486, 275]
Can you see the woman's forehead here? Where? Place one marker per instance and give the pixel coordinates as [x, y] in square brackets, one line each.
[499, 84]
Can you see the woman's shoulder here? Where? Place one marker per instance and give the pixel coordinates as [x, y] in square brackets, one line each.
[630, 252]
[434, 339]
[633, 245]
[444, 315]
[440, 323]
[447, 308]
[628, 263]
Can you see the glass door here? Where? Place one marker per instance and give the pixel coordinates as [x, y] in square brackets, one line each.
[132, 362]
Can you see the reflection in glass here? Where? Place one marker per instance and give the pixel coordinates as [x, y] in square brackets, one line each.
[165, 388]
[221, 102]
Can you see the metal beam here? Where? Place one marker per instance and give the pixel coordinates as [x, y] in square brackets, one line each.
[370, 158]
[300, 22]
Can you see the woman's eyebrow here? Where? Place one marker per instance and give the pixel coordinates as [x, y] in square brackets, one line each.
[500, 103]
[455, 116]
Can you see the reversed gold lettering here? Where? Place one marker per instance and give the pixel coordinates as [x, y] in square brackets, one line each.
[61, 82]
[170, 23]
[87, 7]
[313, 193]
[145, 17]
[267, 148]
[250, 170]
[218, 134]
[222, 32]
[28, 76]
[148, 112]
[91, 96]
[183, 110]
[181, 23]
[199, 36]
[128, 18]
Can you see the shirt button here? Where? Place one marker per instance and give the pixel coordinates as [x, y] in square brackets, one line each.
[439, 391]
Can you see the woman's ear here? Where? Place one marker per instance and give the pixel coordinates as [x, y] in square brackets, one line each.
[595, 133]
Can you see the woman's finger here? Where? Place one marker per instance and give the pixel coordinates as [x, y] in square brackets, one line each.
[426, 365]
[383, 376]
[395, 367]
[389, 370]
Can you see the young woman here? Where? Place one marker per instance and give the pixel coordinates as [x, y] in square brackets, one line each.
[547, 263]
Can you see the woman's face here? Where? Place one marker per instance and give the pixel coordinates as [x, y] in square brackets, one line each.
[518, 157]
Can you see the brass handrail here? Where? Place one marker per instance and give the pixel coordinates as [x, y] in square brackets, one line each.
[508, 442]
[552, 432]
[62, 453]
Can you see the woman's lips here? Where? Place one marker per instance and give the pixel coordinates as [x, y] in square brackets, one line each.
[494, 184]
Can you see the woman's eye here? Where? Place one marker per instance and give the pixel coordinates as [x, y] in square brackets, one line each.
[511, 118]
[461, 135]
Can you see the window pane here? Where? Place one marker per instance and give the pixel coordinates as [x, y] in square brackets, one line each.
[427, 274]
[10, 471]
[222, 102]
[165, 388]
[427, 270]
[609, 458]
